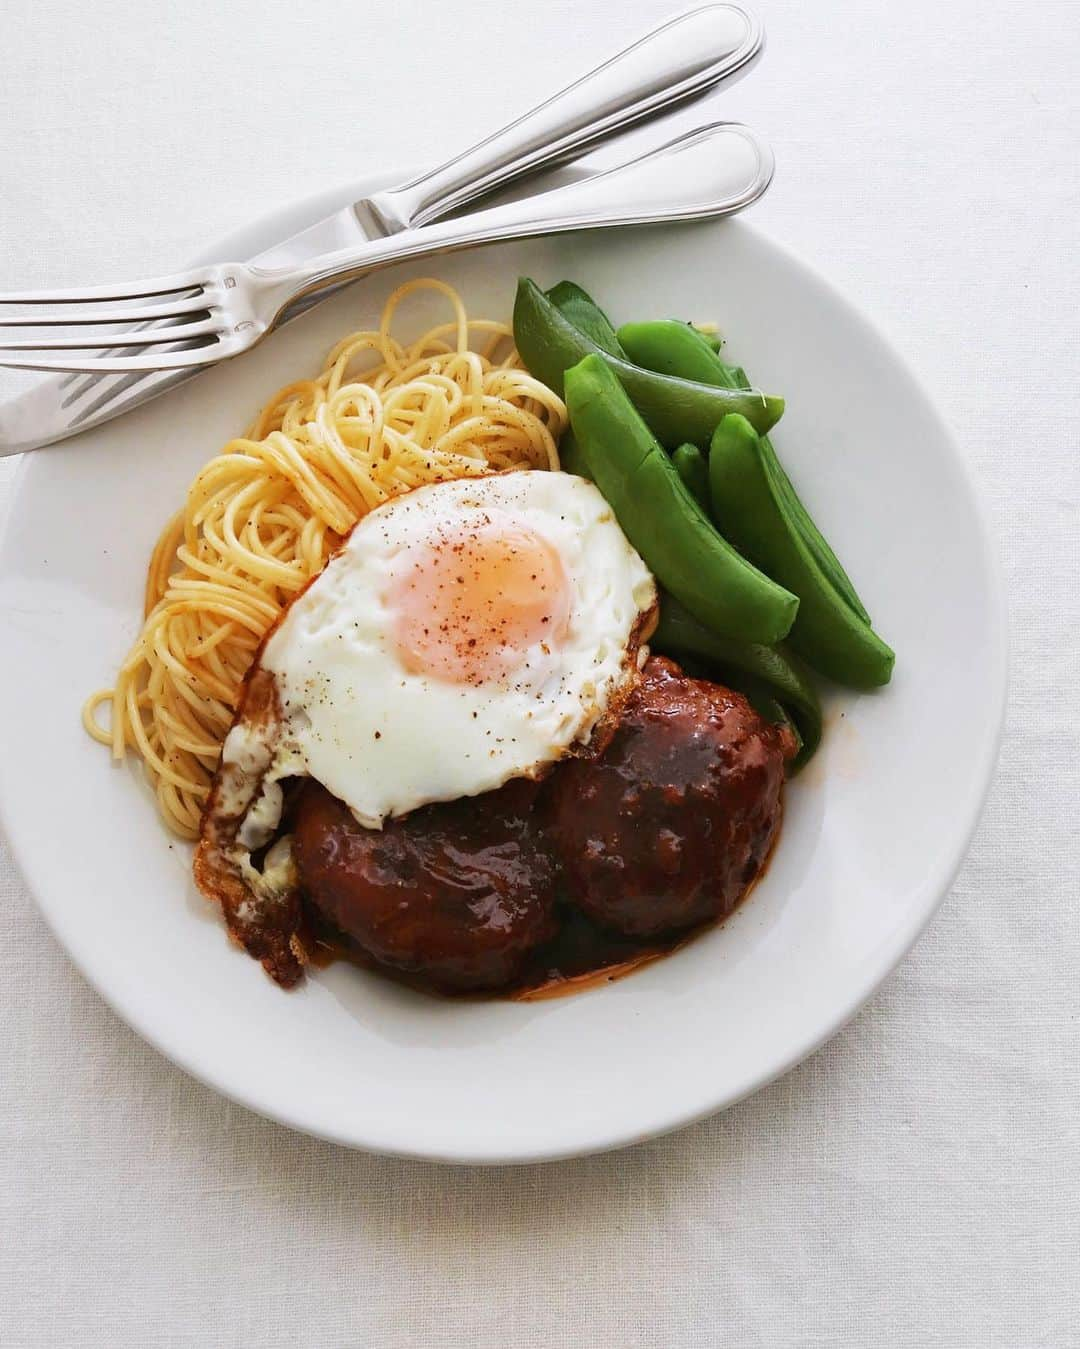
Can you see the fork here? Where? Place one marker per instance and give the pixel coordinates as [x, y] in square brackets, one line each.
[224, 309]
[684, 57]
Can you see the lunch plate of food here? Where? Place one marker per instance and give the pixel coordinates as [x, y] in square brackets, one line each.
[529, 703]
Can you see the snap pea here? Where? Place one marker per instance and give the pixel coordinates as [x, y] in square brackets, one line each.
[660, 517]
[690, 463]
[675, 348]
[761, 672]
[571, 460]
[677, 410]
[748, 506]
[585, 314]
[818, 544]
[693, 468]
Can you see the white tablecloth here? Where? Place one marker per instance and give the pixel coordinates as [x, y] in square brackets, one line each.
[916, 1182]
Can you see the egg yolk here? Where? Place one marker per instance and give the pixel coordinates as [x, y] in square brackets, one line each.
[472, 603]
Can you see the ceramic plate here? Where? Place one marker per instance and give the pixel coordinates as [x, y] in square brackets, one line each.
[874, 830]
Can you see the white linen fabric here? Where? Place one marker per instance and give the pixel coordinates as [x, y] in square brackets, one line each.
[916, 1182]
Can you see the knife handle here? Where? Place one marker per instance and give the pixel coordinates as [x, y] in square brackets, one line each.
[684, 57]
[713, 171]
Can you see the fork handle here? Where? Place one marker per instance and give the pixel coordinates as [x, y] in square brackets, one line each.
[713, 171]
[682, 58]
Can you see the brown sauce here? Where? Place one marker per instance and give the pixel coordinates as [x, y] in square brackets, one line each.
[582, 955]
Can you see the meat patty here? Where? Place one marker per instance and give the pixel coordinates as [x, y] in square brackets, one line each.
[460, 893]
[670, 825]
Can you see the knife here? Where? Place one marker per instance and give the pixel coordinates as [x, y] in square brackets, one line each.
[683, 58]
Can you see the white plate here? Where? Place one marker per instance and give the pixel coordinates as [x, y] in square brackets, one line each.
[874, 831]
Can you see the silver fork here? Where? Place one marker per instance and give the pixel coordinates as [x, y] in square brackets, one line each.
[684, 57]
[222, 310]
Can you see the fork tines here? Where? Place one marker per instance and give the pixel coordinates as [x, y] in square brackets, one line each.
[179, 314]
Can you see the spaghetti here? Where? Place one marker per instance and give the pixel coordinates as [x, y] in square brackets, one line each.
[262, 518]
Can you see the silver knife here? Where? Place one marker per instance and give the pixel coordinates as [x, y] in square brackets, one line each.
[683, 58]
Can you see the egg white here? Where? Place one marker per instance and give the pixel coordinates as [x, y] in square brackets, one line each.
[385, 739]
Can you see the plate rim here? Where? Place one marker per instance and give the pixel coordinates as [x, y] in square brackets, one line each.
[604, 1139]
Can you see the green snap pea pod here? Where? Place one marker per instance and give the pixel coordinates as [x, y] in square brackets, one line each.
[759, 671]
[676, 349]
[660, 517]
[586, 315]
[693, 468]
[748, 506]
[818, 544]
[677, 410]
[571, 460]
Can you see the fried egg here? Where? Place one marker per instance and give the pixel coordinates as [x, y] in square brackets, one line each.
[466, 633]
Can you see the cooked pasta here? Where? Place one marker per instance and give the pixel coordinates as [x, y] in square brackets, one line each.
[262, 518]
